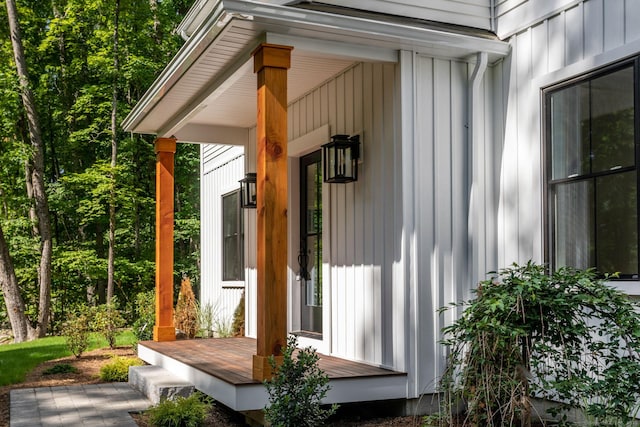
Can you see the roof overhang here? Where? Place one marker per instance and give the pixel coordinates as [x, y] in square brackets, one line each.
[209, 85]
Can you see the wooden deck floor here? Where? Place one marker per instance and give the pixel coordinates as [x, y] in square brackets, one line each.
[222, 368]
[230, 359]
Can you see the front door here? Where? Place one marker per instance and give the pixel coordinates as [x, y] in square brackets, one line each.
[310, 256]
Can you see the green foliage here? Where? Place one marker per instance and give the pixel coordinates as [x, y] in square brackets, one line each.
[60, 368]
[77, 329]
[206, 319]
[107, 320]
[117, 370]
[296, 389]
[564, 336]
[146, 316]
[69, 51]
[16, 360]
[182, 412]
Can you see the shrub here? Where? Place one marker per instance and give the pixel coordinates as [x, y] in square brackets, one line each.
[76, 330]
[118, 369]
[205, 316]
[60, 368]
[238, 319]
[296, 389]
[106, 320]
[186, 316]
[564, 336]
[182, 412]
[146, 316]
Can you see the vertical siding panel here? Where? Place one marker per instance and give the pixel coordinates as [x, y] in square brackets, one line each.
[526, 151]
[593, 27]
[539, 48]
[509, 179]
[358, 226]
[377, 207]
[310, 113]
[632, 16]
[317, 113]
[368, 227]
[391, 237]
[574, 35]
[425, 217]
[556, 42]
[614, 18]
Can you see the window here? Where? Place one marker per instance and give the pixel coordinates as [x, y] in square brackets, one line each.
[592, 173]
[232, 237]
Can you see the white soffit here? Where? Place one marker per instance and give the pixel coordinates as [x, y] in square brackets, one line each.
[211, 82]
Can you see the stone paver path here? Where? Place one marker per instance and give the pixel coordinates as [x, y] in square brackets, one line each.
[106, 404]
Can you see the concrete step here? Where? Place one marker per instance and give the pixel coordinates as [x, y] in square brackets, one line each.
[158, 384]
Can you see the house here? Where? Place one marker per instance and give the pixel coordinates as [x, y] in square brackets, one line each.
[491, 132]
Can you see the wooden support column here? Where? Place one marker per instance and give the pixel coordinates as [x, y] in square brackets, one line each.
[271, 62]
[164, 329]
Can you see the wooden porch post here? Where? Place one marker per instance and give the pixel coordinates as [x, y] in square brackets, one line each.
[271, 62]
[165, 149]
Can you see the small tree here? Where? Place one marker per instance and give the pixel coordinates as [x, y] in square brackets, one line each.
[296, 389]
[564, 336]
[186, 317]
[76, 330]
[106, 320]
[145, 316]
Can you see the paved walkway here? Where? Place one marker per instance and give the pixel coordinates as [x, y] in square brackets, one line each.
[106, 404]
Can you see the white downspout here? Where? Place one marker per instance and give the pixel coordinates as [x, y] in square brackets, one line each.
[477, 190]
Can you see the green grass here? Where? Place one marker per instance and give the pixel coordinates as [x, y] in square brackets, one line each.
[16, 360]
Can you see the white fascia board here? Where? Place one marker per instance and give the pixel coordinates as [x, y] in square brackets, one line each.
[184, 59]
[199, 133]
[363, 26]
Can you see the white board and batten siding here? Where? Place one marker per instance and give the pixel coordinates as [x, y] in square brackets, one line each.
[221, 168]
[373, 279]
[563, 40]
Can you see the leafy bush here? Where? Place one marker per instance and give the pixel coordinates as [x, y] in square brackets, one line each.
[186, 316]
[77, 329]
[106, 320]
[146, 316]
[60, 368]
[182, 412]
[118, 369]
[564, 336]
[296, 389]
[205, 316]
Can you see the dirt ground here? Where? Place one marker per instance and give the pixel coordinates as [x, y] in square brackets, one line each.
[88, 367]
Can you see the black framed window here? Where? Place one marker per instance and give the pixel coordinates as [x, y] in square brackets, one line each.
[592, 174]
[232, 237]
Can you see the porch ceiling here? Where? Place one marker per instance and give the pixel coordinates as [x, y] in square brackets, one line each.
[210, 83]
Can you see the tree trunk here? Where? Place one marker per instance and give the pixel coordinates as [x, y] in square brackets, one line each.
[114, 158]
[37, 173]
[33, 218]
[11, 292]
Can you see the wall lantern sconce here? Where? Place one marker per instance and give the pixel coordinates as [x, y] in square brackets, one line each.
[340, 159]
[248, 191]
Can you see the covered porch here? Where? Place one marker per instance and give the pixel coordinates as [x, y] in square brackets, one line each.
[222, 368]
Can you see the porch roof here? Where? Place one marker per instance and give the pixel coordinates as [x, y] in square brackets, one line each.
[208, 89]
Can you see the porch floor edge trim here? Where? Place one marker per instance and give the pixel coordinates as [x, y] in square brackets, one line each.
[221, 368]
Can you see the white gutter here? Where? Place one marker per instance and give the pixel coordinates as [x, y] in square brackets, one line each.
[477, 190]
[364, 26]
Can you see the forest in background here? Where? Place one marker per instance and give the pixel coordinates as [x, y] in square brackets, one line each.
[88, 62]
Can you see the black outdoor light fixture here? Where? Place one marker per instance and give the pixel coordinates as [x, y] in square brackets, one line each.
[340, 159]
[248, 191]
